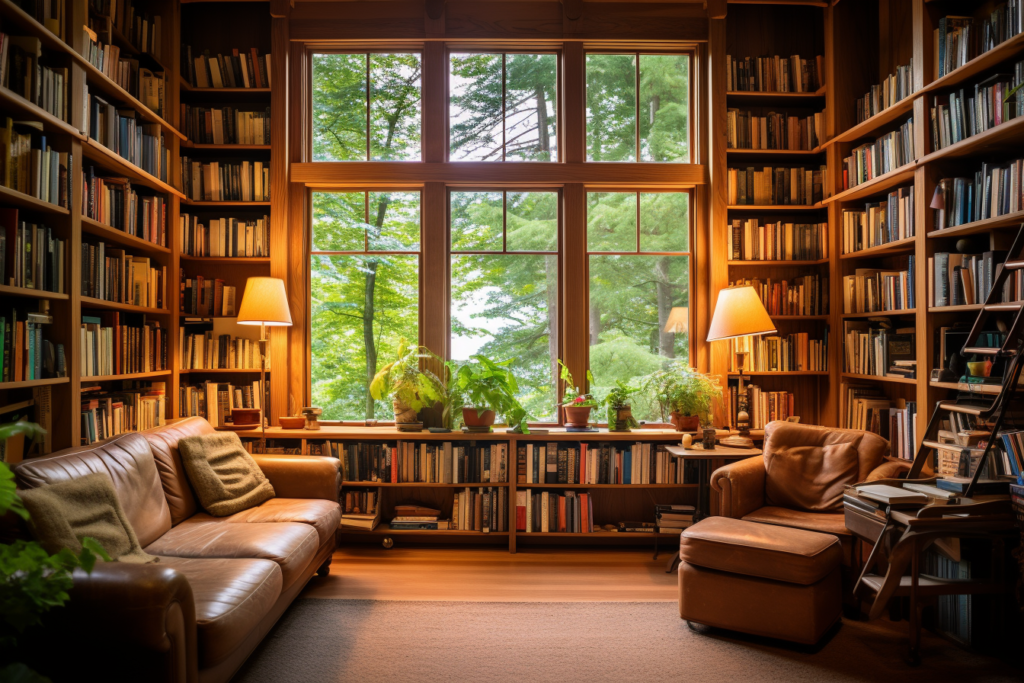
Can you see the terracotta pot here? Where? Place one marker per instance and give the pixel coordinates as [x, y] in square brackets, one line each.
[403, 413]
[685, 423]
[577, 416]
[474, 417]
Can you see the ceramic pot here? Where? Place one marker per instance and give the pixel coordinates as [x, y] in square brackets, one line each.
[577, 416]
[685, 423]
[404, 414]
[474, 417]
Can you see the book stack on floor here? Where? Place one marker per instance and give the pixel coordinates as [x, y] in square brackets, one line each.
[877, 347]
[360, 509]
[880, 222]
[766, 185]
[483, 509]
[897, 86]
[109, 412]
[216, 400]
[206, 297]
[224, 237]
[31, 166]
[26, 355]
[887, 153]
[115, 202]
[554, 512]
[415, 517]
[801, 295]
[673, 518]
[597, 463]
[30, 255]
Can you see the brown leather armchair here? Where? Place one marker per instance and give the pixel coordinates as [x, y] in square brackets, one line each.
[799, 480]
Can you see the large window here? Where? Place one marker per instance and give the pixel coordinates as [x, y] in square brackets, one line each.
[646, 123]
[504, 286]
[364, 291]
[638, 247]
[502, 107]
[366, 107]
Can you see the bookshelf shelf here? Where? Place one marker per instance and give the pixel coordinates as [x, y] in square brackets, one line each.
[775, 152]
[800, 317]
[987, 142]
[782, 98]
[899, 246]
[883, 182]
[781, 373]
[794, 3]
[28, 23]
[226, 259]
[219, 371]
[187, 87]
[97, 229]
[955, 309]
[879, 378]
[1009, 220]
[754, 264]
[128, 376]
[101, 82]
[638, 536]
[225, 147]
[51, 124]
[423, 485]
[26, 201]
[956, 386]
[201, 204]
[636, 487]
[384, 529]
[9, 290]
[777, 207]
[905, 311]
[870, 127]
[1000, 53]
[101, 155]
[89, 302]
[25, 384]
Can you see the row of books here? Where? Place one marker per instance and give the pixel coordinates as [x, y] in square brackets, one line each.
[113, 274]
[146, 85]
[49, 13]
[116, 202]
[871, 290]
[26, 355]
[545, 512]
[216, 400]
[868, 408]
[802, 295]
[877, 348]
[107, 413]
[746, 130]
[995, 190]
[1013, 453]
[961, 114]
[484, 510]
[795, 352]
[424, 462]
[30, 165]
[240, 69]
[776, 186]
[956, 279]
[23, 73]
[889, 220]
[246, 181]
[873, 159]
[897, 86]
[774, 73]
[30, 255]
[672, 518]
[142, 144]
[142, 30]
[748, 240]
[225, 237]
[959, 39]
[225, 125]
[117, 343]
[598, 463]
[206, 297]
[200, 349]
[762, 406]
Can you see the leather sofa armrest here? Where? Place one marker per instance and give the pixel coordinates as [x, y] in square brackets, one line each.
[302, 476]
[890, 469]
[138, 620]
[740, 486]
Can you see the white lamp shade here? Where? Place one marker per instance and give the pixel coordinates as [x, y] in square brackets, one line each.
[738, 313]
[678, 320]
[264, 303]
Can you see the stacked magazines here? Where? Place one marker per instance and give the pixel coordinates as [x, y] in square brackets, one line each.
[673, 518]
[360, 509]
[416, 517]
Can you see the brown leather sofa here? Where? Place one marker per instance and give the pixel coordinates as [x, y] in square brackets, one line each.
[799, 480]
[220, 584]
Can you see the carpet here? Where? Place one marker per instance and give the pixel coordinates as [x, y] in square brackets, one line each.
[328, 641]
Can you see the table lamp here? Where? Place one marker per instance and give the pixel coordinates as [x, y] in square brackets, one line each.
[740, 313]
[264, 303]
[678, 320]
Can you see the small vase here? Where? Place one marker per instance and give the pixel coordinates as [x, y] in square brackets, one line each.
[623, 418]
[577, 416]
[685, 423]
[475, 417]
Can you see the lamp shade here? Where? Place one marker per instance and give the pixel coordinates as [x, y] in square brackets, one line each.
[678, 320]
[264, 303]
[738, 313]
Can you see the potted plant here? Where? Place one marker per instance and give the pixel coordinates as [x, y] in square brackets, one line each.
[577, 405]
[684, 394]
[486, 389]
[410, 387]
[620, 412]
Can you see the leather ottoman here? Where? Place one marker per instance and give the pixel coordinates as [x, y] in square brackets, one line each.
[761, 579]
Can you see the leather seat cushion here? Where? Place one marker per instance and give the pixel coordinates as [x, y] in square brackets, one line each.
[823, 522]
[231, 596]
[290, 546]
[762, 550]
[322, 515]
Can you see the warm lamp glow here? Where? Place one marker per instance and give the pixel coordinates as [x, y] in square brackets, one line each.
[264, 303]
[678, 320]
[738, 313]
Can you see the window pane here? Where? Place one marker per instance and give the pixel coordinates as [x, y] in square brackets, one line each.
[338, 221]
[476, 221]
[532, 221]
[394, 221]
[665, 108]
[475, 107]
[506, 306]
[361, 306]
[395, 107]
[530, 94]
[339, 107]
[664, 221]
[611, 221]
[611, 107]
[630, 301]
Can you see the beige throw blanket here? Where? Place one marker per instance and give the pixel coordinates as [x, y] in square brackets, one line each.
[64, 513]
[226, 478]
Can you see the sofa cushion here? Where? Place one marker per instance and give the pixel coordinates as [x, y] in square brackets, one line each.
[164, 442]
[291, 546]
[807, 468]
[322, 515]
[128, 461]
[751, 549]
[231, 596]
[823, 522]
[225, 478]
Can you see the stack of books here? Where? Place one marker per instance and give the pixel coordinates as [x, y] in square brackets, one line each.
[217, 181]
[795, 352]
[360, 509]
[879, 223]
[216, 400]
[996, 189]
[774, 74]
[107, 413]
[114, 275]
[964, 114]
[802, 295]
[596, 463]
[24, 354]
[23, 73]
[116, 343]
[202, 296]
[240, 69]
[29, 165]
[749, 241]
[225, 125]
[414, 517]
[201, 350]
[225, 237]
[956, 279]
[484, 510]
[30, 255]
[554, 512]
[776, 186]
[746, 130]
[673, 518]
[115, 202]
[874, 347]
[888, 153]
[960, 39]
[871, 290]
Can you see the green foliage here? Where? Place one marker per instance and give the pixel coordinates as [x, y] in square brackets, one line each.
[483, 383]
[572, 395]
[683, 390]
[405, 381]
[617, 398]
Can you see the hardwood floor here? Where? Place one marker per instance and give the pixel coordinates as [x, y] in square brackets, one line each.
[491, 574]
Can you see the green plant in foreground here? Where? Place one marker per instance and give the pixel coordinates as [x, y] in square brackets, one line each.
[482, 383]
[683, 390]
[409, 382]
[618, 398]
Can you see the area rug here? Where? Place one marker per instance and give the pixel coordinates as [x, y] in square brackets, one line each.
[329, 641]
